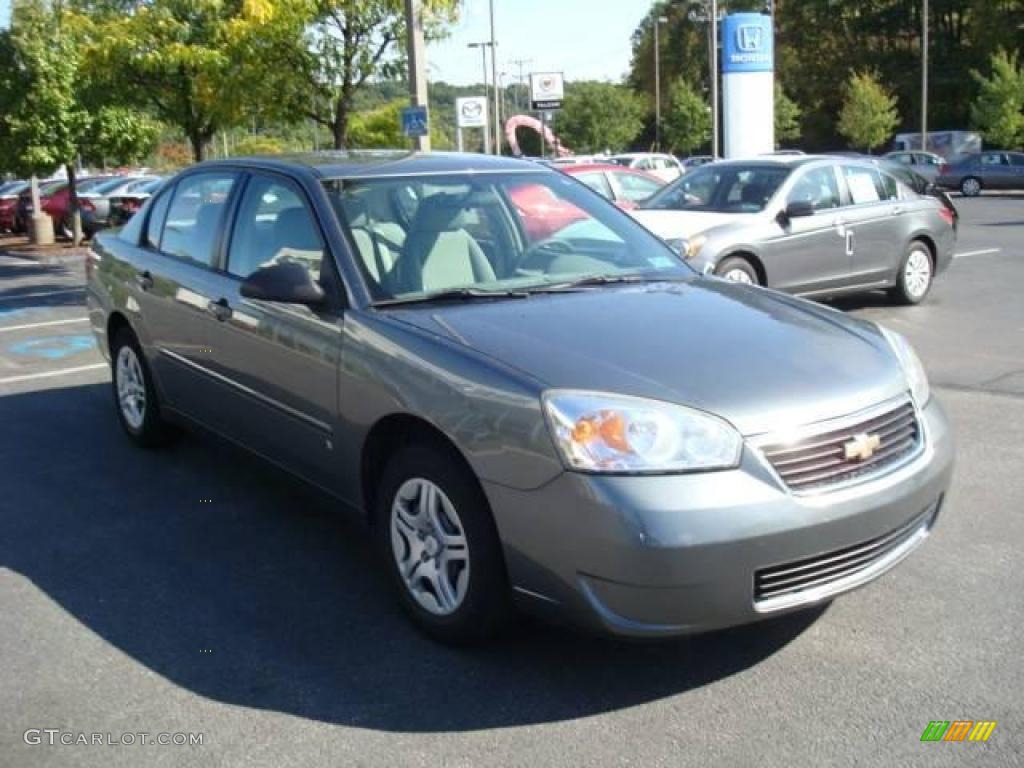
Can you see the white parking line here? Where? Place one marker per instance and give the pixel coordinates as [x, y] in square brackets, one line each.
[51, 374]
[43, 325]
[37, 294]
[982, 252]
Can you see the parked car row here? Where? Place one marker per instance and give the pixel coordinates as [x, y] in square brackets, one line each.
[104, 201]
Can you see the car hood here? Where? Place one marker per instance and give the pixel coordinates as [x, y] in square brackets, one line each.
[674, 224]
[762, 360]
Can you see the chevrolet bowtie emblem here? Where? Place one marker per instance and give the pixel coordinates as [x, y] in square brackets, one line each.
[862, 447]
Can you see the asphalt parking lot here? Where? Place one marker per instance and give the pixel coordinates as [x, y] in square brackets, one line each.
[260, 620]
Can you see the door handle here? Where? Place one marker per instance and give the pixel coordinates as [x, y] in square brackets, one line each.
[896, 211]
[219, 309]
[144, 280]
[849, 243]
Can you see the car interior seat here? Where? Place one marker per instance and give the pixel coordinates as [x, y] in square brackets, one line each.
[439, 253]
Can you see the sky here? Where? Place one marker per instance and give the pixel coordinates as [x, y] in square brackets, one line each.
[585, 39]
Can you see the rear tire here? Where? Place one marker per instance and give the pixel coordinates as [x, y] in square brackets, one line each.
[971, 186]
[917, 272]
[738, 270]
[135, 397]
[440, 545]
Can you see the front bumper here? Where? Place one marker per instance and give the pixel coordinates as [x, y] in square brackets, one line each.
[675, 554]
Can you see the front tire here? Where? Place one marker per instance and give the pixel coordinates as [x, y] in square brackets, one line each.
[738, 270]
[917, 271]
[135, 397]
[440, 544]
[970, 187]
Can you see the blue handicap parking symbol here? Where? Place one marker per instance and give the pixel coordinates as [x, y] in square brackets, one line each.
[414, 121]
[53, 347]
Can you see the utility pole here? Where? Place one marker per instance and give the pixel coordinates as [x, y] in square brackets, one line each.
[520, 63]
[658, 21]
[924, 76]
[494, 82]
[416, 53]
[714, 79]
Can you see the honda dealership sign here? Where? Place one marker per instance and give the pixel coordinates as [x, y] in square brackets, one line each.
[748, 84]
[547, 89]
[471, 112]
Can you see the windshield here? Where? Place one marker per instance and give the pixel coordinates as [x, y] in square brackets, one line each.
[418, 236]
[721, 189]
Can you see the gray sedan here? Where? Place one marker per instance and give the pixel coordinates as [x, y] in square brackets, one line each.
[505, 410]
[814, 226]
[992, 169]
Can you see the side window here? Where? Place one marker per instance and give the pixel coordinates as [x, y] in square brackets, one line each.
[597, 182]
[887, 188]
[195, 215]
[1016, 159]
[155, 223]
[904, 158]
[636, 188]
[818, 187]
[992, 158]
[274, 225]
[864, 184]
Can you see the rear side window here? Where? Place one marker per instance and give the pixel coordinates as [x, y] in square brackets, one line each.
[636, 188]
[195, 216]
[864, 183]
[597, 182]
[274, 225]
[155, 224]
[1016, 159]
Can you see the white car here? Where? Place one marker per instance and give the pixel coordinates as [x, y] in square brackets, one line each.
[663, 166]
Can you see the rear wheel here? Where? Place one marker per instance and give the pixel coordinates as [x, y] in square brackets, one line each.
[135, 398]
[971, 186]
[440, 544]
[737, 269]
[915, 276]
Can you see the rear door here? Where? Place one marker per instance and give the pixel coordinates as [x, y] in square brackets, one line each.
[875, 221]
[1017, 167]
[174, 281]
[275, 365]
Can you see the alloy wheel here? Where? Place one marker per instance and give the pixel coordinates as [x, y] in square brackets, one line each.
[970, 187]
[131, 387]
[429, 545]
[738, 276]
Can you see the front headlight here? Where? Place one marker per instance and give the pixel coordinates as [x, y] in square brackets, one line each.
[917, 379]
[693, 246]
[597, 432]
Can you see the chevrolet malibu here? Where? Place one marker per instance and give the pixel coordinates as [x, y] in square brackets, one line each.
[575, 423]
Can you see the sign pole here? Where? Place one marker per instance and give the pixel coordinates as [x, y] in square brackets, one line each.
[416, 51]
[714, 79]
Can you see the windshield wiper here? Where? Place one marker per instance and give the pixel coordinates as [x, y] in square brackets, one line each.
[596, 280]
[455, 294]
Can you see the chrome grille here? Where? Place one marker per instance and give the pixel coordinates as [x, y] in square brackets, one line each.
[788, 582]
[819, 460]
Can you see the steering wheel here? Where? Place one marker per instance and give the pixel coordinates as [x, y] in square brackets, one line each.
[546, 251]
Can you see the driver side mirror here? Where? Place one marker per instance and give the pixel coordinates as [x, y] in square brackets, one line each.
[795, 210]
[287, 282]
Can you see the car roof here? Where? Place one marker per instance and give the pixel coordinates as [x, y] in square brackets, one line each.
[610, 167]
[384, 163]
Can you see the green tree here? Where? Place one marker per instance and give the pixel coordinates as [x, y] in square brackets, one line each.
[597, 116]
[352, 41]
[203, 65]
[998, 112]
[868, 116]
[686, 125]
[787, 116]
[120, 136]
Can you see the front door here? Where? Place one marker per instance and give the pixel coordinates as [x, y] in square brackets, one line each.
[809, 253]
[276, 364]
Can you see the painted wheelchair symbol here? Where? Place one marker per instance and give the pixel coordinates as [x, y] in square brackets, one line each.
[53, 347]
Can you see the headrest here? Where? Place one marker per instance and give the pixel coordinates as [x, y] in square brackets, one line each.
[439, 213]
[295, 229]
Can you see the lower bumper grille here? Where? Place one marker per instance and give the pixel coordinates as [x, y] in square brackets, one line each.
[813, 578]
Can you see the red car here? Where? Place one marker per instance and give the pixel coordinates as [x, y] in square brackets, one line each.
[626, 187]
[543, 214]
[9, 192]
[58, 203]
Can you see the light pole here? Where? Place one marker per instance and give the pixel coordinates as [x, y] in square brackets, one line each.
[658, 21]
[483, 59]
[924, 76]
[708, 12]
[494, 82]
[520, 63]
